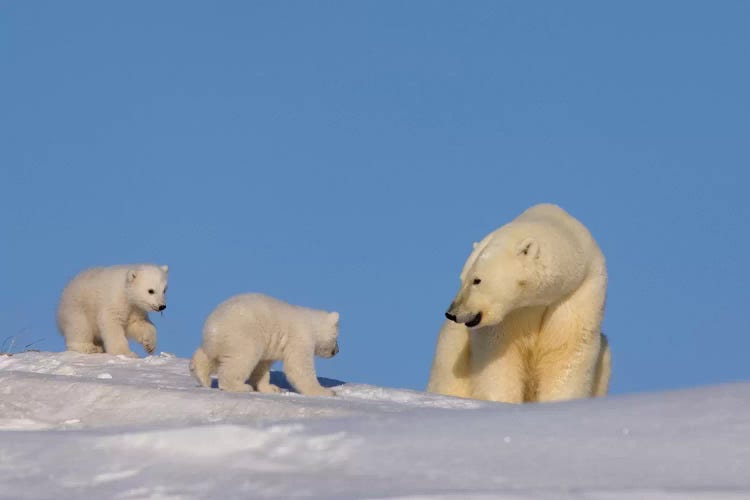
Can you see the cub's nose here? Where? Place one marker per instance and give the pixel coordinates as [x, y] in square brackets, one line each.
[162, 307]
[450, 316]
[335, 350]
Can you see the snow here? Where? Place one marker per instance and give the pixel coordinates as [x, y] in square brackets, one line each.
[100, 426]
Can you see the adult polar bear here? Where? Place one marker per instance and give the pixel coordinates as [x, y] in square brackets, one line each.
[526, 323]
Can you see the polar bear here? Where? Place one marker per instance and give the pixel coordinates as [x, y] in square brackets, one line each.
[243, 336]
[526, 322]
[102, 307]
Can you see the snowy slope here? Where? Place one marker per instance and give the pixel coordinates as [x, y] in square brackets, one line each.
[98, 426]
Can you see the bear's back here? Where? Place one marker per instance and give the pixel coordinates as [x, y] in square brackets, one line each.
[566, 245]
[248, 314]
[93, 283]
[551, 221]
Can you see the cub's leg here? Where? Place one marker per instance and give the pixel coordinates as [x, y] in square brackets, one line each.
[236, 368]
[299, 366]
[79, 333]
[261, 378]
[113, 336]
[202, 367]
[143, 332]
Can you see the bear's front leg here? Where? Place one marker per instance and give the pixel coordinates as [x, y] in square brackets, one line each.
[113, 337]
[568, 370]
[569, 377]
[451, 370]
[497, 368]
[299, 366]
[503, 382]
[143, 332]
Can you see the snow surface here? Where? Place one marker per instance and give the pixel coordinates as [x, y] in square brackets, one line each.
[100, 426]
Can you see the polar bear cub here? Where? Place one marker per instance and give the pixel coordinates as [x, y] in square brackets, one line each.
[101, 308]
[243, 336]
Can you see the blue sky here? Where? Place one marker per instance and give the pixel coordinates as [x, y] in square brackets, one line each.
[345, 155]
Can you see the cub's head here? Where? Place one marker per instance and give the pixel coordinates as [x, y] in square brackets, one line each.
[146, 287]
[326, 335]
[503, 273]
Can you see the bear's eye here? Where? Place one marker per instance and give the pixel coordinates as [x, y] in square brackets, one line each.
[151, 291]
[477, 281]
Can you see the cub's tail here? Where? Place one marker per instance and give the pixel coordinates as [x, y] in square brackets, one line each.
[201, 366]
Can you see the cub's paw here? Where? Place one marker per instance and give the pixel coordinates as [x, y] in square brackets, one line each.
[126, 354]
[85, 348]
[319, 391]
[268, 388]
[148, 339]
[235, 387]
[149, 344]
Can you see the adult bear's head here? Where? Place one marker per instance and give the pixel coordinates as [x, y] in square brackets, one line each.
[506, 271]
[537, 259]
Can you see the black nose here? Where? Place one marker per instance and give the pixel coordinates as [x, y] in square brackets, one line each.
[335, 350]
[450, 316]
[162, 307]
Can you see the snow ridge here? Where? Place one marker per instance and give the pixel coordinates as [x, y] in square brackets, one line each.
[75, 425]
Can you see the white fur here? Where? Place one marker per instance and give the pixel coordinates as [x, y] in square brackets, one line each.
[102, 307]
[243, 336]
[541, 296]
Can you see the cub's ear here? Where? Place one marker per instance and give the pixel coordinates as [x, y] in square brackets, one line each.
[528, 247]
[131, 275]
[474, 245]
[334, 317]
[165, 268]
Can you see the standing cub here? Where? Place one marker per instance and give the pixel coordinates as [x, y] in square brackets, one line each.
[102, 307]
[243, 336]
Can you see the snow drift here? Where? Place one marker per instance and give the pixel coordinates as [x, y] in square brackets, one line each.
[100, 426]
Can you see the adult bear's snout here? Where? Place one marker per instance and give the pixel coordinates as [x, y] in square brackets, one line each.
[475, 320]
[470, 320]
[451, 312]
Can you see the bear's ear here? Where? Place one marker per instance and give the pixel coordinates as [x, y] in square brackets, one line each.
[131, 275]
[165, 268]
[333, 317]
[528, 247]
[474, 245]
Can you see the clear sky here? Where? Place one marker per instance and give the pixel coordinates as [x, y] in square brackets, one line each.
[345, 155]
